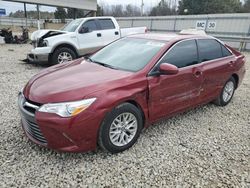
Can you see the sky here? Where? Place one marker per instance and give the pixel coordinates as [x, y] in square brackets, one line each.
[12, 7]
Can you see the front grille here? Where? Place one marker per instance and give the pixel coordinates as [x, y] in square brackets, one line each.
[28, 110]
[34, 131]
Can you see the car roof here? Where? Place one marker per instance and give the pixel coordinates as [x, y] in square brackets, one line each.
[91, 18]
[169, 36]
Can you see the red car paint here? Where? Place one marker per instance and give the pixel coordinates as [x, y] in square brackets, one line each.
[192, 86]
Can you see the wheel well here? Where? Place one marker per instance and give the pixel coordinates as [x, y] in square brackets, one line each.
[67, 46]
[139, 107]
[236, 78]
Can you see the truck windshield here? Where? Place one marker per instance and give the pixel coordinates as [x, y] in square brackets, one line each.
[72, 26]
[131, 54]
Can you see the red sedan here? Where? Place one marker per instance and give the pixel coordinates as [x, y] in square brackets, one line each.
[109, 97]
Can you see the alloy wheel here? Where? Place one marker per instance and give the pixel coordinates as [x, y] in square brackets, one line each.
[64, 57]
[228, 91]
[123, 129]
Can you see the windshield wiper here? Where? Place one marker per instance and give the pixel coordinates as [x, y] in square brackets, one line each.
[100, 63]
[105, 65]
[88, 58]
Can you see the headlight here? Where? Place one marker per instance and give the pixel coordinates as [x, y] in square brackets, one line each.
[45, 43]
[67, 109]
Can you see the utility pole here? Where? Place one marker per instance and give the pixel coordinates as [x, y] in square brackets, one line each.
[38, 17]
[25, 15]
[142, 7]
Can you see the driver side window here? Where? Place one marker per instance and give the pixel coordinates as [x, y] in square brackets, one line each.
[91, 25]
[183, 54]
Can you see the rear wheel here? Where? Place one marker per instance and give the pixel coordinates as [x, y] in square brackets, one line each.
[226, 93]
[62, 55]
[120, 128]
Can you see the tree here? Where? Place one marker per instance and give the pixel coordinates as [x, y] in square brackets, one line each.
[99, 11]
[131, 10]
[117, 11]
[60, 13]
[246, 6]
[209, 6]
[32, 14]
[162, 9]
[79, 13]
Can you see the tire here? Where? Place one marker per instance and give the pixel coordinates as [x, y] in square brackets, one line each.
[109, 129]
[62, 52]
[222, 100]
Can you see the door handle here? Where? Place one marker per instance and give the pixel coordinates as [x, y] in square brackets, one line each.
[99, 34]
[116, 33]
[198, 73]
[231, 63]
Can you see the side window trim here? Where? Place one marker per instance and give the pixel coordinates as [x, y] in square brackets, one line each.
[153, 70]
[95, 22]
[197, 50]
[221, 45]
[99, 24]
[221, 58]
[225, 49]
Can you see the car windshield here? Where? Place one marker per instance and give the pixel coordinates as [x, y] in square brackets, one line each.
[72, 26]
[131, 54]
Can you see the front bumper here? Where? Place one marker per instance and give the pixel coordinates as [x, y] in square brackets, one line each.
[39, 54]
[75, 134]
[38, 58]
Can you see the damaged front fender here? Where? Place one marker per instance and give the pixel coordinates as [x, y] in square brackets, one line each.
[38, 36]
[45, 33]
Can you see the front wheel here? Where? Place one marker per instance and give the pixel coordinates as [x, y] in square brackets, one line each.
[63, 55]
[120, 128]
[227, 93]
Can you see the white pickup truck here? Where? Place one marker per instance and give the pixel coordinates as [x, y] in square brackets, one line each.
[78, 38]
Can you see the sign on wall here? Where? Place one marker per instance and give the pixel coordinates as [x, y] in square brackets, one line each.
[211, 25]
[201, 24]
[2, 12]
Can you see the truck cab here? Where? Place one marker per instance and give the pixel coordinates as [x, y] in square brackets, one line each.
[77, 38]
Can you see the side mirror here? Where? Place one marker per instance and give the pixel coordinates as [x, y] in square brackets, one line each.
[84, 30]
[166, 68]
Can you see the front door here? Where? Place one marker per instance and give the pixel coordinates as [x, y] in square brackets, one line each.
[169, 94]
[90, 40]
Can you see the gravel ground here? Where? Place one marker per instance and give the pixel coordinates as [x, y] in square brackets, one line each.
[206, 147]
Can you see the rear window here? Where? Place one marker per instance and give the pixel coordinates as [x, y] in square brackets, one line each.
[209, 49]
[225, 51]
[106, 24]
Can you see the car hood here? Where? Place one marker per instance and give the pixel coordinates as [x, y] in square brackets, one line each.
[71, 81]
[45, 33]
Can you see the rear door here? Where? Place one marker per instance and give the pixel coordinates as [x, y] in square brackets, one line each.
[169, 94]
[91, 40]
[216, 64]
[108, 31]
